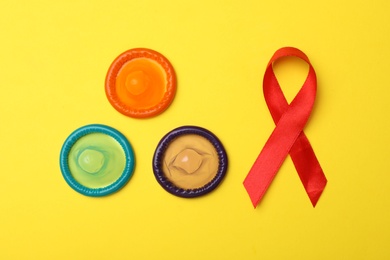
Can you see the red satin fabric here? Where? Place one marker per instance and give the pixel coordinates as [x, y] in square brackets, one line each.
[288, 136]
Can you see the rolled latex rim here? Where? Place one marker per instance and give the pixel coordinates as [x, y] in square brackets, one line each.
[113, 187]
[119, 62]
[164, 144]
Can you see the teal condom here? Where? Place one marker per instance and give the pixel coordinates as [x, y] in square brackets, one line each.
[96, 160]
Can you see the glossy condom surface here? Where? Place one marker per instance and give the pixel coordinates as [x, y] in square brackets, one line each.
[96, 160]
[189, 161]
[140, 83]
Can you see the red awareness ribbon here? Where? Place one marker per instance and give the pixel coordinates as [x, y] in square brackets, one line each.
[288, 136]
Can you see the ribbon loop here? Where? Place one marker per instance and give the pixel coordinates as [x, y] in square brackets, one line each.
[288, 136]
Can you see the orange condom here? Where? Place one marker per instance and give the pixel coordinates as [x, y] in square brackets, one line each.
[140, 83]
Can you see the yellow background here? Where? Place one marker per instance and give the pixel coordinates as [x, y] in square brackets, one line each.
[54, 56]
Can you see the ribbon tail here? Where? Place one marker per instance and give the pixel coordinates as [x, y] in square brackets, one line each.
[273, 154]
[255, 188]
[308, 168]
[315, 196]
